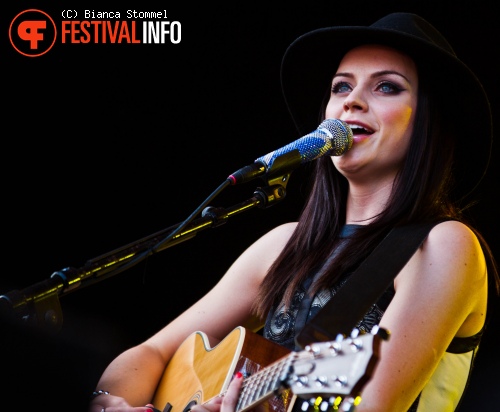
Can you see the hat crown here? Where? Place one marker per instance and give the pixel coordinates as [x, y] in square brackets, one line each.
[414, 25]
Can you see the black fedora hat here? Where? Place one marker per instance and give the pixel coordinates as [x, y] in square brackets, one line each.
[311, 60]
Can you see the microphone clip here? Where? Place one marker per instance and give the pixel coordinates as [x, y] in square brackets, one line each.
[269, 195]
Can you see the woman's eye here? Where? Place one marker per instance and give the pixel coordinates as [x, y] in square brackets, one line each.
[389, 88]
[341, 87]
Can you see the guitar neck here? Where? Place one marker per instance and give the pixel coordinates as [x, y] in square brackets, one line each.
[264, 384]
[332, 372]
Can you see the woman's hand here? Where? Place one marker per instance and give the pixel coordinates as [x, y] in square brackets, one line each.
[225, 403]
[110, 403]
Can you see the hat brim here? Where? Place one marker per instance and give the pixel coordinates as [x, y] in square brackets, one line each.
[311, 60]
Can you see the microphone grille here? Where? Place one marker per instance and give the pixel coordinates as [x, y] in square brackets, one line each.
[340, 133]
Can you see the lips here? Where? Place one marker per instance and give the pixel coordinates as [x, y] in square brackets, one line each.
[360, 131]
[357, 129]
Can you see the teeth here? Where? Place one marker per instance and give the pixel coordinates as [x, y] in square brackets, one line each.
[358, 129]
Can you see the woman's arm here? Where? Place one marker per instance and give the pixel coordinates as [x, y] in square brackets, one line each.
[132, 377]
[440, 294]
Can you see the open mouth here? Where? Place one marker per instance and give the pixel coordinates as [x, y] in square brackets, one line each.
[357, 130]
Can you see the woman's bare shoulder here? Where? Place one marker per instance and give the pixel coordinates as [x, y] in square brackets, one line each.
[285, 229]
[453, 234]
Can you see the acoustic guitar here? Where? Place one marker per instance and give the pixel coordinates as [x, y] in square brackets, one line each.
[275, 378]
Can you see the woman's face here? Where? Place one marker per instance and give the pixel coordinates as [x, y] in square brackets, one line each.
[375, 92]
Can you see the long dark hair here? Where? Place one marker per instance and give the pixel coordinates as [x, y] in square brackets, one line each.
[422, 192]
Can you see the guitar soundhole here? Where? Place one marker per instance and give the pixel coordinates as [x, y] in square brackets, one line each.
[189, 406]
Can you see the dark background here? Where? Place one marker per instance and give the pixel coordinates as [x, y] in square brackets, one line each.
[107, 144]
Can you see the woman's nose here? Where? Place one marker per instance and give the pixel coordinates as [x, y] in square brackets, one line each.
[354, 102]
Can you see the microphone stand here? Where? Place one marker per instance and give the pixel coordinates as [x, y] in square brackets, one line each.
[38, 305]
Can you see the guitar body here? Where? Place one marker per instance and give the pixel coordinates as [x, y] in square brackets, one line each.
[202, 369]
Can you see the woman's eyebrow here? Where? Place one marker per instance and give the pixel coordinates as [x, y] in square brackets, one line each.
[373, 75]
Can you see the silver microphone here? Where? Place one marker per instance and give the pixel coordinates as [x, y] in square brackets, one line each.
[333, 137]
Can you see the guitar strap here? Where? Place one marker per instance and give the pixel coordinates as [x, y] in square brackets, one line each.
[365, 285]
